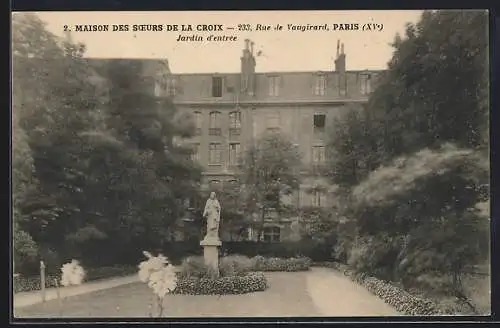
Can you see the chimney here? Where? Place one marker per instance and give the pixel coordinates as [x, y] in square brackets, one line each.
[340, 62]
[340, 67]
[247, 69]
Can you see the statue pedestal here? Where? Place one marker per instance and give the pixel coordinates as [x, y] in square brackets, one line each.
[211, 252]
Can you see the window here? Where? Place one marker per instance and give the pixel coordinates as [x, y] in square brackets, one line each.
[235, 123]
[318, 198]
[171, 86]
[274, 85]
[214, 154]
[195, 155]
[198, 122]
[318, 154]
[271, 234]
[215, 129]
[320, 85]
[234, 154]
[217, 86]
[366, 87]
[273, 121]
[319, 123]
[158, 89]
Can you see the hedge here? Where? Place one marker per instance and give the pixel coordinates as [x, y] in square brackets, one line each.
[231, 285]
[279, 264]
[237, 265]
[129, 255]
[307, 248]
[396, 297]
[27, 284]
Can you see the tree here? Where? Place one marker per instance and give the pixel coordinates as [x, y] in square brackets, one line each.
[109, 169]
[352, 148]
[271, 171]
[418, 215]
[49, 77]
[160, 170]
[434, 91]
[413, 161]
[25, 249]
[443, 98]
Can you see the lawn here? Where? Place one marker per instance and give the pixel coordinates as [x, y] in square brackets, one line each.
[286, 297]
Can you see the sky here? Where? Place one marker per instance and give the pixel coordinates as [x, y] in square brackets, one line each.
[281, 50]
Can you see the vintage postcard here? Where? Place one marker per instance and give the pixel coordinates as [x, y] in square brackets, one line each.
[250, 164]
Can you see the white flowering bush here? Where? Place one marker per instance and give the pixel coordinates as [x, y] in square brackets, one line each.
[160, 276]
[72, 273]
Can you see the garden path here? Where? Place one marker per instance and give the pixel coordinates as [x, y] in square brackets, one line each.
[24, 299]
[335, 295]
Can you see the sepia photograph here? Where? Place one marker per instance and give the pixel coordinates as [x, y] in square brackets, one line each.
[245, 164]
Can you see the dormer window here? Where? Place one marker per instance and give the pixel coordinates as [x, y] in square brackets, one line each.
[366, 85]
[217, 85]
[274, 85]
[319, 85]
[171, 87]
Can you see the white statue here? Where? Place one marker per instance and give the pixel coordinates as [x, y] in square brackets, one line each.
[212, 213]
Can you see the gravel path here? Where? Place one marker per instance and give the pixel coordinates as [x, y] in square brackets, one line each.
[24, 299]
[336, 295]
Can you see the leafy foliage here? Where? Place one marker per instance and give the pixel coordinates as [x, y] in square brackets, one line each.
[105, 162]
[434, 91]
[270, 173]
[413, 160]
[353, 150]
[230, 285]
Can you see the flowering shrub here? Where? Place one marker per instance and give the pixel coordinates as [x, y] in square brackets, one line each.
[194, 267]
[237, 274]
[72, 273]
[236, 265]
[279, 264]
[235, 277]
[160, 276]
[247, 283]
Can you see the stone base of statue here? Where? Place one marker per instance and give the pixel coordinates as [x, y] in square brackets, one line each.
[211, 246]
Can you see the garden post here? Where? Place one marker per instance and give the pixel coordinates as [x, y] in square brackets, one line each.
[42, 280]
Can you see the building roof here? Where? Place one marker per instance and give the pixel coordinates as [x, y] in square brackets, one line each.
[150, 66]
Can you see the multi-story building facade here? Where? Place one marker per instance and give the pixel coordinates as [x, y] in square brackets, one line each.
[231, 110]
